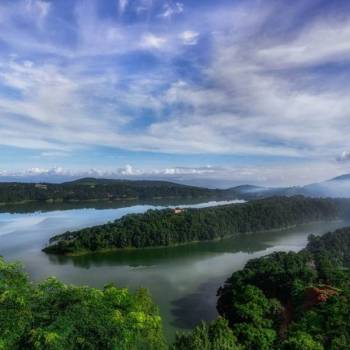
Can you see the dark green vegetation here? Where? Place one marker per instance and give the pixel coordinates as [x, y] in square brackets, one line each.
[91, 189]
[284, 301]
[166, 228]
[55, 316]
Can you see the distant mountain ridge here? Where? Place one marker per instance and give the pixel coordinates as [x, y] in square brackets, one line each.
[336, 187]
[341, 178]
[99, 189]
[92, 189]
[92, 181]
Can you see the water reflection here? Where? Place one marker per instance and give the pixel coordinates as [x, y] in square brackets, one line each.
[32, 207]
[159, 256]
[195, 306]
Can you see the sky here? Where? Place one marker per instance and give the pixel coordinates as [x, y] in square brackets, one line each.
[206, 92]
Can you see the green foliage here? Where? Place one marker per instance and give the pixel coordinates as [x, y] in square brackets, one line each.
[328, 323]
[301, 340]
[274, 276]
[164, 228]
[15, 312]
[252, 336]
[213, 336]
[55, 316]
[332, 254]
[252, 317]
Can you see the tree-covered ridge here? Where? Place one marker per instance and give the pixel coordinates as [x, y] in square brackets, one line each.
[55, 316]
[284, 301]
[102, 189]
[166, 228]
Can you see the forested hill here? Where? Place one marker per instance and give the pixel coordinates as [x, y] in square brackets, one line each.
[166, 227]
[92, 189]
[284, 301]
[88, 189]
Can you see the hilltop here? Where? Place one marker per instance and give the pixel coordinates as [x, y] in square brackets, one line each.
[100, 189]
[92, 189]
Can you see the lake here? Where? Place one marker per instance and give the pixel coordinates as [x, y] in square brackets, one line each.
[182, 280]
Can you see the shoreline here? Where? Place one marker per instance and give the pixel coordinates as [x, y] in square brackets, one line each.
[112, 200]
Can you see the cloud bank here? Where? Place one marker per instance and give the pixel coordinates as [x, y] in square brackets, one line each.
[207, 176]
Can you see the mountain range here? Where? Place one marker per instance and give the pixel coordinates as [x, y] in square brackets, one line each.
[335, 187]
[97, 189]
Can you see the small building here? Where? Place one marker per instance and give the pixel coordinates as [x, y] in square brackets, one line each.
[178, 210]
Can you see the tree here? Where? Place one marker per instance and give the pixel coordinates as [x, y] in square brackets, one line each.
[301, 340]
[56, 316]
[208, 336]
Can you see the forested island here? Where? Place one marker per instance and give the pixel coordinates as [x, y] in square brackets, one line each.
[157, 228]
[283, 301]
[91, 189]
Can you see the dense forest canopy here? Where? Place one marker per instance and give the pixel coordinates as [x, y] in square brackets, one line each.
[284, 301]
[102, 189]
[55, 316]
[166, 227]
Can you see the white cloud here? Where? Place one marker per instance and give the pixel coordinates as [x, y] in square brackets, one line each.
[37, 8]
[170, 9]
[321, 42]
[143, 6]
[150, 40]
[344, 157]
[189, 37]
[221, 176]
[250, 103]
[128, 170]
[54, 154]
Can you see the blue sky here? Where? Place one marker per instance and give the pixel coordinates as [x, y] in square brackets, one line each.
[226, 91]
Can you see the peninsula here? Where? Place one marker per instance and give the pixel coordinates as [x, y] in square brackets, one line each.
[159, 228]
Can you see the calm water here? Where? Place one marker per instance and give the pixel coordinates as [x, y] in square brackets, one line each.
[183, 280]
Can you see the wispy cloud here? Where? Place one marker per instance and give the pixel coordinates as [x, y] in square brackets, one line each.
[322, 42]
[212, 176]
[344, 157]
[171, 9]
[189, 37]
[176, 79]
[150, 40]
